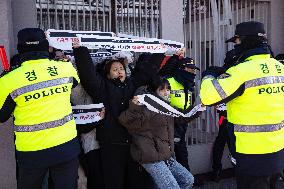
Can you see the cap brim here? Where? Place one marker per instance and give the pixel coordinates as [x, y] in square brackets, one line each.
[192, 67]
[233, 39]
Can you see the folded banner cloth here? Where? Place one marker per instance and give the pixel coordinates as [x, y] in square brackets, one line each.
[159, 106]
[84, 114]
[221, 107]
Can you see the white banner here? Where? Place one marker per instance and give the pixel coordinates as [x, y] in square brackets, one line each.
[159, 106]
[84, 114]
[121, 44]
[63, 39]
[168, 44]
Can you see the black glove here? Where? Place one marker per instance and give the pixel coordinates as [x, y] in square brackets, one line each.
[214, 71]
[170, 67]
[230, 59]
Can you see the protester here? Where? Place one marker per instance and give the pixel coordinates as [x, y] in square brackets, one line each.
[108, 82]
[153, 139]
[128, 60]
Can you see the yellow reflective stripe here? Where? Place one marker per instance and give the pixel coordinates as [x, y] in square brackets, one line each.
[43, 126]
[259, 128]
[264, 81]
[219, 89]
[40, 85]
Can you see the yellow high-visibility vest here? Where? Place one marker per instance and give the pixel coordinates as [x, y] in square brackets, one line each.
[177, 94]
[258, 114]
[43, 114]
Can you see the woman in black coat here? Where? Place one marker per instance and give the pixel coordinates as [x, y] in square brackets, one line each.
[114, 90]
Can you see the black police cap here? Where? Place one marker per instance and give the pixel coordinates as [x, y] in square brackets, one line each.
[31, 36]
[251, 28]
[188, 63]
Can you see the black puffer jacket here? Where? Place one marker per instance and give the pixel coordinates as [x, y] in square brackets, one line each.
[114, 95]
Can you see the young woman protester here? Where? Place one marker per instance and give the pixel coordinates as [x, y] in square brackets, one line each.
[153, 139]
[109, 84]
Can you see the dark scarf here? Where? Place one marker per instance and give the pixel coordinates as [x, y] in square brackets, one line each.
[118, 83]
[35, 55]
[186, 79]
[245, 53]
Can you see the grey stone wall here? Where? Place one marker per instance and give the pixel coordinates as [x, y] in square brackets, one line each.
[7, 152]
[14, 15]
[277, 26]
[172, 20]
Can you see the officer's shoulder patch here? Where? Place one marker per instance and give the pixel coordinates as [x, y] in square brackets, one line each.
[223, 76]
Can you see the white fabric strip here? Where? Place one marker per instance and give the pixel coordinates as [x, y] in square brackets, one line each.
[159, 106]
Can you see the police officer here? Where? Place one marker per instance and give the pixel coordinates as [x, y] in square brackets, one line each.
[223, 137]
[38, 93]
[253, 92]
[182, 85]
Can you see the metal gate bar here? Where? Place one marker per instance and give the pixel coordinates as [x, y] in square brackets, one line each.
[133, 17]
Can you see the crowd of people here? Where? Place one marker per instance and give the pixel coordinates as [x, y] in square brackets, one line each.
[133, 147]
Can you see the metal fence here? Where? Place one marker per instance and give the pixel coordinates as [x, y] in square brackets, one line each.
[133, 17]
[207, 25]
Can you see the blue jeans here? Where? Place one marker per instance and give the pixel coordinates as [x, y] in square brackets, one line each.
[170, 174]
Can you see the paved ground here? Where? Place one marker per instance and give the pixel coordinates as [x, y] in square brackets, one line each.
[228, 183]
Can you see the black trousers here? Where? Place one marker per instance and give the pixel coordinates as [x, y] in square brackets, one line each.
[63, 175]
[119, 170]
[219, 145]
[254, 182]
[181, 152]
[95, 177]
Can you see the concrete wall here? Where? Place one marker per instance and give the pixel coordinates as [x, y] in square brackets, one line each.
[277, 26]
[200, 158]
[6, 24]
[7, 154]
[24, 16]
[172, 20]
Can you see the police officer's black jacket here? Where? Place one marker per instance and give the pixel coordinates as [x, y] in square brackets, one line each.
[113, 93]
